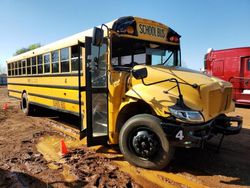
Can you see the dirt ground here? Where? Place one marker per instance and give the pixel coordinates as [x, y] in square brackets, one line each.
[22, 164]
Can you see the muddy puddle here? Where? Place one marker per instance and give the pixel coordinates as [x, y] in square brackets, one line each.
[82, 165]
[102, 166]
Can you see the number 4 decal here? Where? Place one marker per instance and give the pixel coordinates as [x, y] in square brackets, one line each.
[179, 135]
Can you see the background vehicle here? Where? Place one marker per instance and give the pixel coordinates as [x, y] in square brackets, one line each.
[3, 79]
[129, 89]
[232, 65]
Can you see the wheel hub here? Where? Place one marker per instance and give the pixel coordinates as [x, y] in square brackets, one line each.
[145, 144]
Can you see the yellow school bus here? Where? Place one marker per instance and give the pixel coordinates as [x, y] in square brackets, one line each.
[125, 82]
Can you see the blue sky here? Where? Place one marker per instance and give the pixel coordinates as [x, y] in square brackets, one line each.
[201, 23]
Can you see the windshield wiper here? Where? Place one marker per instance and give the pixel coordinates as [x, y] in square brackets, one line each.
[167, 59]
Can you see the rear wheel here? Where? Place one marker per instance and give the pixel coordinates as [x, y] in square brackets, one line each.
[143, 142]
[25, 106]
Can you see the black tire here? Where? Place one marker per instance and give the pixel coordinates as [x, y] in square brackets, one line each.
[135, 129]
[25, 106]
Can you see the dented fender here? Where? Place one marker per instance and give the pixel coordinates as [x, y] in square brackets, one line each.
[153, 96]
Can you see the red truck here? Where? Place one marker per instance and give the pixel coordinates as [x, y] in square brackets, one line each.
[232, 65]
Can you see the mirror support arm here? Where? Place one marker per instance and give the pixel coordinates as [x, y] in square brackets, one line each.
[180, 102]
[103, 25]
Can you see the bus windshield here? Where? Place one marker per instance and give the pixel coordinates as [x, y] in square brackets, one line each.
[130, 52]
[166, 57]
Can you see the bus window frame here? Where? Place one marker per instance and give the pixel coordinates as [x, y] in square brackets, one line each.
[40, 73]
[19, 65]
[61, 61]
[28, 66]
[76, 58]
[55, 62]
[34, 65]
[23, 66]
[9, 67]
[16, 69]
[44, 64]
[13, 70]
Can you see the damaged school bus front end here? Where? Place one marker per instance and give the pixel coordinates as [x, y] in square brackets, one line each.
[185, 109]
[191, 105]
[156, 105]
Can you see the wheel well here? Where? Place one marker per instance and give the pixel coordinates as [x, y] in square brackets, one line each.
[130, 110]
[21, 105]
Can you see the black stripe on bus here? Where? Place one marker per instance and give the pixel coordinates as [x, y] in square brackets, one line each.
[56, 98]
[54, 108]
[15, 91]
[48, 86]
[46, 75]
[50, 107]
[15, 97]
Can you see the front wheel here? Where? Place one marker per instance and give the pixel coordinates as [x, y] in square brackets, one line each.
[143, 142]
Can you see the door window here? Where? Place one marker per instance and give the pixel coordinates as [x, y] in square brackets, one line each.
[99, 100]
[98, 69]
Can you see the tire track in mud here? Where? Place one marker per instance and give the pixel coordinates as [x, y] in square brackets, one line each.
[97, 170]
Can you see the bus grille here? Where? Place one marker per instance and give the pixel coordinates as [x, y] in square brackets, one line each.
[219, 101]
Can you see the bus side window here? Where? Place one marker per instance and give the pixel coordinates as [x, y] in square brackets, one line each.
[34, 67]
[248, 65]
[64, 57]
[40, 64]
[9, 69]
[16, 69]
[28, 66]
[74, 58]
[12, 69]
[46, 63]
[23, 67]
[55, 61]
[19, 68]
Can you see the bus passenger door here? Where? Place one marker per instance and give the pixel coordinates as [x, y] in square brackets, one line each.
[96, 93]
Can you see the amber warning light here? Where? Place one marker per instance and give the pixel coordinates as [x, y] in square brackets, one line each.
[125, 25]
[130, 30]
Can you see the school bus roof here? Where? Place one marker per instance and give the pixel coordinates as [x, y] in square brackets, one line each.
[73, 40]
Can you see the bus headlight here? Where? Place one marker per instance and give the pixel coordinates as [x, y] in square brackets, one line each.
[187, 115]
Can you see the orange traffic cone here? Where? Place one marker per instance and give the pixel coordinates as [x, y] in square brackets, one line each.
[64, 149]
[5, 106]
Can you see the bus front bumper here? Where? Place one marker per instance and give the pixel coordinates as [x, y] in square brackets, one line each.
[190, 135]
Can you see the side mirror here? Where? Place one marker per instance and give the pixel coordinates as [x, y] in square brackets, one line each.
[140, 73]
[97, 36]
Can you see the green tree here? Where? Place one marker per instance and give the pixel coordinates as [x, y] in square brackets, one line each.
[30, 47]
